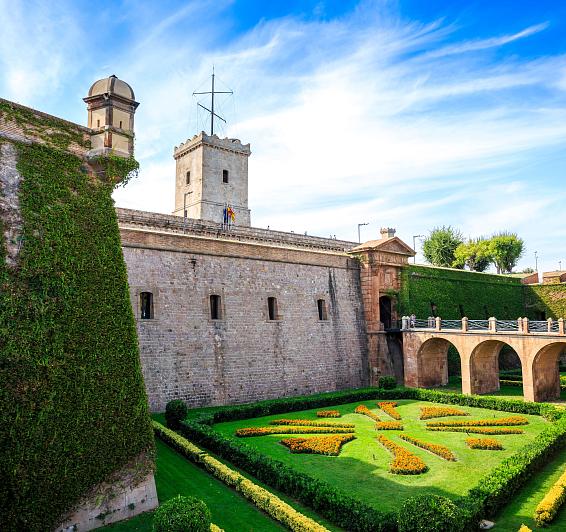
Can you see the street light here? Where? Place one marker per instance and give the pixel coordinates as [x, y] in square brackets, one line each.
[536, 261]
[359, 236]
[415, 246]
[185, 210]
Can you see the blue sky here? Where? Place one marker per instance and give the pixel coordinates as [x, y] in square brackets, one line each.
[409, 114]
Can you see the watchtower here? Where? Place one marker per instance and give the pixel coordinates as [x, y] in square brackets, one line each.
[211, 176]
[111, 106]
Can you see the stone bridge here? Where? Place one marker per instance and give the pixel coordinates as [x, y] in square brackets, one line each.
[478, 342]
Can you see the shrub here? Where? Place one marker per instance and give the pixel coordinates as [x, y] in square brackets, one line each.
[329, 445]
[547, 509]
[328, 413]
[484, 443]
[429, 412]
[525, 528]
[404, 462]
[389, 408]
[286, 429]
[512, 420]
[310, 423]
[365, 411]
[182, 514]
[388, 425]
[429, 512]
[386, 382]
[500, 431]
[175, 412]
[439, 450]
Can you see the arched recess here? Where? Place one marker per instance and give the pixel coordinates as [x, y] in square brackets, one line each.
[546, 373]
[385, 311]
[484, 367]
[432, 359]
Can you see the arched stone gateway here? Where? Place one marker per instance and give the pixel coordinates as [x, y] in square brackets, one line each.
[425, 358]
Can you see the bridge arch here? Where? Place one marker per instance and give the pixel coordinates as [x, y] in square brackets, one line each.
[546, 373]
[432, 359]
[484, 367]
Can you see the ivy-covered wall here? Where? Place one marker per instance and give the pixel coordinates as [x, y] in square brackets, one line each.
[74, 408]
[546, 300]
[457, 292]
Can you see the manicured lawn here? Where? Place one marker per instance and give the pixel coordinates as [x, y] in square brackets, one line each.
[521, 509]
[362, 468]
[175, 475]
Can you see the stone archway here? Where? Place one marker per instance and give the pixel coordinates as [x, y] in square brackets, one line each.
[484, 367]
[432, 360]
[385, 311]
[546, 373]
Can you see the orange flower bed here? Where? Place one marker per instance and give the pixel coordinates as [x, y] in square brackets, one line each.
[439, 450]
[264, 431]
[328, 445]
[310, 423]
[389, 425]
[512, 420]
[478, 430]
[328, 413]
[363, 409]
[429, 412]
[484, 443]
[404, 462]
[389, 408]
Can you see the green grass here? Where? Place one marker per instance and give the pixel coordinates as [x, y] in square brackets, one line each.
[175, 475]
[521, 509]
[362, 468]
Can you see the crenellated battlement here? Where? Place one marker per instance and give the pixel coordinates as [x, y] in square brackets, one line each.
[228, 144]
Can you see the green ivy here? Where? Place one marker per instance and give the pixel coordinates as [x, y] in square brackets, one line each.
[549, 299]
[116, 170]
[74, 408]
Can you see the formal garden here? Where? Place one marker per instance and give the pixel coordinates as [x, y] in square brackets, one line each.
[370, 459]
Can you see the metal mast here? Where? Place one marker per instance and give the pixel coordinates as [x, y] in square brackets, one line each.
[212, 92]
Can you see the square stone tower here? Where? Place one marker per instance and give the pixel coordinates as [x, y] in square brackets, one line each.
[212, 174]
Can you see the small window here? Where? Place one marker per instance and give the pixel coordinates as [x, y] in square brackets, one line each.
[188, 177]
[272, 308]
[322, 315]
[215, 307]
[225, 176]
[461, 309]
[486, 312]
[146, 306]
[98, 123]
[120, 124]
[433, 309]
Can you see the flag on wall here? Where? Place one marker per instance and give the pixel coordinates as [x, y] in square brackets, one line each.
[229, 215]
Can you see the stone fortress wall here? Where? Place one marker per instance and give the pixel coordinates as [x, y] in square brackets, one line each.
[243, 356]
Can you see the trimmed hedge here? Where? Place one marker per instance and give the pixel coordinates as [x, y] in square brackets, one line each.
[175, 411]
[493, 491]
[426, 513]
[546, 510]
[74, 407]
[182, 514]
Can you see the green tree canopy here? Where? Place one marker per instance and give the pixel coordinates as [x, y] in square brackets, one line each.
[506, 249]
[475, 254]
[440, 245]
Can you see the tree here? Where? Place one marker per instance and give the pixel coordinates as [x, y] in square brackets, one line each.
[475, 254]
[506, 249]
[440, 245]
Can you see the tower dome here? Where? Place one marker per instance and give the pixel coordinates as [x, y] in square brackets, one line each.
[112, 85]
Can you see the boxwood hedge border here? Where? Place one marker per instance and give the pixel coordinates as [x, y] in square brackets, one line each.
[492, 492]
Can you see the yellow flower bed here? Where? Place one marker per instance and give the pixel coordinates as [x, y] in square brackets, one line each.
[547, 509]
[525, 528]
[429, 412]
[389, 408]
[439, 450]
[364, 410]
[404, 462]
[328, 413]
[511, 420]
[310, 423]
[484, 443]
[286, 429]
[389, 425]
[263, 499]
[478, 430]
[328, 445]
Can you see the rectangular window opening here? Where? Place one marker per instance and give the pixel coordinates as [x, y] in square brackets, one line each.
[120, 124]
[188, 178]
[322, 315]
[461, 309]
[272, 308]
[146, 305]
[225, 176]
[215, 308]
[433, 309]
[98, 123]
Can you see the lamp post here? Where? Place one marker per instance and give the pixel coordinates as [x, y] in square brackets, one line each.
[359, 234]
[185, 210]
[536, 261]
[415, 246]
